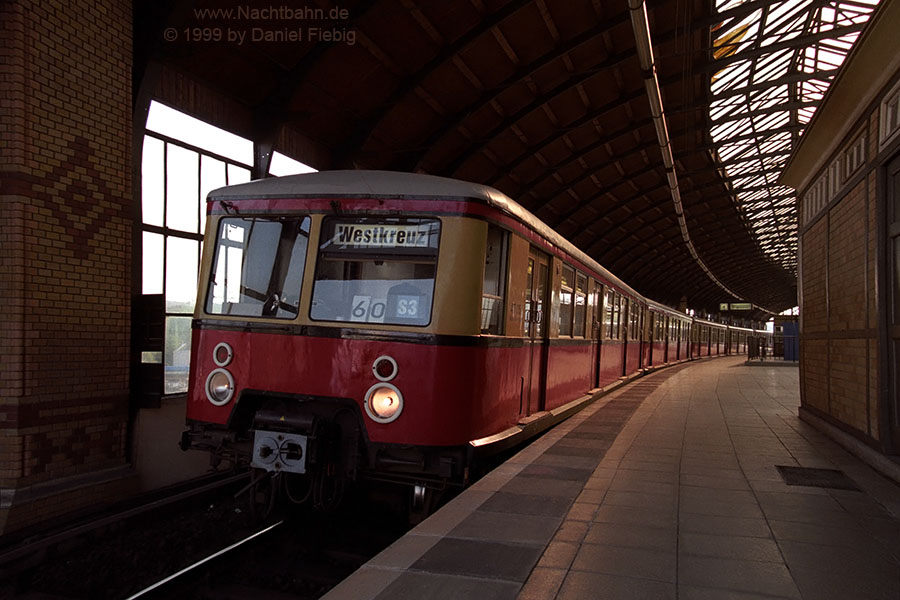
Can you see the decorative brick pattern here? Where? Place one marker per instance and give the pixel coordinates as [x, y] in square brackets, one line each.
[65, 239]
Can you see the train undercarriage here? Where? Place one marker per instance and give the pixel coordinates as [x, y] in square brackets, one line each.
[309, 451]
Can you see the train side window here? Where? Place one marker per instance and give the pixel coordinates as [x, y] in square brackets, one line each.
[580, 304]
[494, 289]
[608, 314]
[635, 316]
[617, 317]
[566, 293]
[258, 267]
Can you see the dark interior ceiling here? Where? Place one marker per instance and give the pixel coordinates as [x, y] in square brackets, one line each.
[542, 99]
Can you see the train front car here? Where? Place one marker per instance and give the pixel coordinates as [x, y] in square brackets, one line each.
[331, 339]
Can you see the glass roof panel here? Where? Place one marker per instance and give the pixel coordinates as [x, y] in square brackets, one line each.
[778, 58]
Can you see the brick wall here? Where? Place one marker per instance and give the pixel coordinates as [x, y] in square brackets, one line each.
[815, 253]
[847, 383]
[838, 339]
[65, 239]
[847, 262]
[814, 370]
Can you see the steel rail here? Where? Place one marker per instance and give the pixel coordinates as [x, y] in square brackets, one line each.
[36, 545]
[173, 577]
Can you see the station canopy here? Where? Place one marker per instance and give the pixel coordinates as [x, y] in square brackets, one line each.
[550, 102]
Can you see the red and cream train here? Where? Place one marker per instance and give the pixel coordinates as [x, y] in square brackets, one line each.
[356, 324]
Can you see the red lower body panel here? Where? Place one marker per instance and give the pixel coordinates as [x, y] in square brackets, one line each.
[611, 361]
[452, 394]
[568, 373]
[659, 353]
[632, 357]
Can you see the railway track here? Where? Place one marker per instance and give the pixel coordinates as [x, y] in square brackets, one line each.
[212, 549]
[186, 580]
[39, 561]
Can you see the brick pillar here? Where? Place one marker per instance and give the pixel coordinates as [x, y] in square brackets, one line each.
[65, 255]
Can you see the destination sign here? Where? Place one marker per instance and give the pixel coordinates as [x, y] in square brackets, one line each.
[356, 235]
[735, 306]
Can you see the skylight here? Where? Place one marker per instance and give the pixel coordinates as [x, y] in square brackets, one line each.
[773, 62]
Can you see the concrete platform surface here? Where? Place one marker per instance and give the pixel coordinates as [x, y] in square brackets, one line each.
[666, 488]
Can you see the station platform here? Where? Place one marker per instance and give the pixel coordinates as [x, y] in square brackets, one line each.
[668, 487]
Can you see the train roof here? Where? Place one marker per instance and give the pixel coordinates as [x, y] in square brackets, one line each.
[356, 183]
[654, 305]
[391, 184]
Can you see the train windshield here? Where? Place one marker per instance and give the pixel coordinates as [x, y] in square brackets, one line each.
[258, 267]
[376, 270]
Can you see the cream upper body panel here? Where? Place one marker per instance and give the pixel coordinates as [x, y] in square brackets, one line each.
[456, 299]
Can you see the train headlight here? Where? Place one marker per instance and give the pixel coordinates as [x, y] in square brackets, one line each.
[384, 402]
[219, 387]
[222, 354]
[384, 368]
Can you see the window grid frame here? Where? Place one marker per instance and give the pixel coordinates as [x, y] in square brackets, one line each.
[168, 232]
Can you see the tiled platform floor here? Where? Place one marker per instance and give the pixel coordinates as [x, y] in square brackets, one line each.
[666, 488]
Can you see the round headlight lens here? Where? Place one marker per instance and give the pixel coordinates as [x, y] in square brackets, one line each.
[222, 354]
[219, 387]
[384, 403]
[384, 368]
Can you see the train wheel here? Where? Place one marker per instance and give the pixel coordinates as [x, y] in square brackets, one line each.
[423, 502]
[264, 492]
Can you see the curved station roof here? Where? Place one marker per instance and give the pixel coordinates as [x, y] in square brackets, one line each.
[649, 135]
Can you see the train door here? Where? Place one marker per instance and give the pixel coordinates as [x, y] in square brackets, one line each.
[642, 314]
[647, 338]
[666, 336]
[892, 315]
[677, 339]
[596, 328]
[625, 332]
[536, 314]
